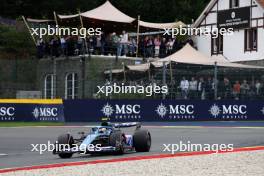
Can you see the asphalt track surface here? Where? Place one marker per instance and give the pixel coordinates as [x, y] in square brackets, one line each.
[15, 143]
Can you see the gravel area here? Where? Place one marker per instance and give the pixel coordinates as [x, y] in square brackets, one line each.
[226, 164]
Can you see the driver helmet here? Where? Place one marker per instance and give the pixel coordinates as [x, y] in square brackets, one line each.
[102, 130]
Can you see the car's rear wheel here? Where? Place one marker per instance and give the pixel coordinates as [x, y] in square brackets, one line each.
[142, 140]
[116, 140]
[65, 141]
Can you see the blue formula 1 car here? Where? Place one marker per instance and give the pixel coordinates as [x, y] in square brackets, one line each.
[107, 138]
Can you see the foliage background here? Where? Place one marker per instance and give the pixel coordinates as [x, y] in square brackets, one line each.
[150, 10]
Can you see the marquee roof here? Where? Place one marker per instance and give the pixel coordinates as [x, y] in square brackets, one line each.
[189, 55]
[139, 67]
[38, 20]
[105, 12]
[161, 25]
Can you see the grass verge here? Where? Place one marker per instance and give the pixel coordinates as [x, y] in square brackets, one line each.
[21, 124]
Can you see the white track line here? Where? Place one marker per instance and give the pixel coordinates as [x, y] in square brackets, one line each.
[146, 126]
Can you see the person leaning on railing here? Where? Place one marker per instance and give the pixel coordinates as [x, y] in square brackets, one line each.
[236, 90]
[244, 89]
[193, 88]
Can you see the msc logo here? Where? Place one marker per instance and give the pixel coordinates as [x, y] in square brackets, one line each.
[229, 111]
[45, 112]
[7, 111]
[176, 111]
[262, 110]
[121, 111]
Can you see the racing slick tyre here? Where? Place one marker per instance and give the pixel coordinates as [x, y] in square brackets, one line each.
[116, 139]
[142, 140]
[67, 141]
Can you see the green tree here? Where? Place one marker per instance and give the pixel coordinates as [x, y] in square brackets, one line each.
[14, 43]
[150, 10]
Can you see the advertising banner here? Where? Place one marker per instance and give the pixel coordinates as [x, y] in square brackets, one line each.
[162, 110]
[31, 110]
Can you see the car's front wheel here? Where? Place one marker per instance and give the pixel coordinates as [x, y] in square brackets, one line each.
[142, 140]
[65, 142]
[116, 140]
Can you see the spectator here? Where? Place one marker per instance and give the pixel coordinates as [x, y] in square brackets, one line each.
[80, 45]
[98, 45]
[184, 86]
[70, 45]
[132, 46]
[47, 51]
[141, 46]
[150, 47]
[63, 46]
[40, 48]
[236, 90]
[252, 90]
[227, 88]
[115, 43]
[193, 88]
[258, 87]
[169, 46]
[54, 44]
[108, 45]
[209, 88]
[244, 89]
[157, 44]
[201, 88]
[163, 48]
[103, 43]
[123, 44]
[176, 46]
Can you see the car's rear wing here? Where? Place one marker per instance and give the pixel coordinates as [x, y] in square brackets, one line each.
[128, 124]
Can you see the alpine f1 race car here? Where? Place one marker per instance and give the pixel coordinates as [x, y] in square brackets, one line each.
[107, 138]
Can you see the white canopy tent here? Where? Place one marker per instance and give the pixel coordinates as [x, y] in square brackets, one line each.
[67, 16]
[105, 12]
[189, 55]
[38, 20]
[222, 61]
[139, 67]
[114, 71]
[161, 25]
[158, 64]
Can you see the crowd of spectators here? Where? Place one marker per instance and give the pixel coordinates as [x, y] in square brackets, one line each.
[111, 44]
[157, 46]
[108, 44]
[203, 88]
